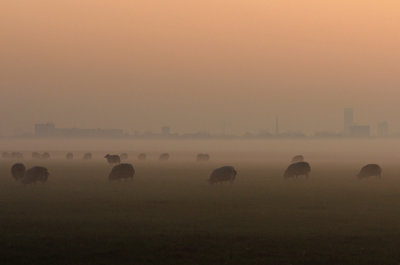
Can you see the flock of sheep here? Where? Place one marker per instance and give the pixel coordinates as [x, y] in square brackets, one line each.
[297, 167]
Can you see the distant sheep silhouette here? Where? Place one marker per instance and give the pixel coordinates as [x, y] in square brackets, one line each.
[69, 156]
[142, 156]
[202, 157]
[297, 158]
[226, 173]
[297, 169]
[30, 176]
[164, 157]
[45, 155]
[87, 156]
[124, 156]
[17, 155]
[370, 170]
[36, 155]
[113, 159]
[121, 171]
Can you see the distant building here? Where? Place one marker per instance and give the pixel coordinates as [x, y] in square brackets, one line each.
[165, 131]
[348, 120]
[50, 130]
[326, 134]
[383, 129]
[351, 128]
[360, 131]
[45, 129]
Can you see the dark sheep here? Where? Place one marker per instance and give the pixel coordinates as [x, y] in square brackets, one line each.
[30, 176]
[35, 174]
[121, 171]
[124, 156]
[18, 171]
[87, 156]
[203, 157]
[226, 173]
[370, 170]
[164, 157]
[36, 155]
[298, 169]
[69, 156]
[142, 156]
[113, 159]
[297, 158]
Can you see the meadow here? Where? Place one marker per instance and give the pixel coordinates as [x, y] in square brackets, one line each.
[170, 214]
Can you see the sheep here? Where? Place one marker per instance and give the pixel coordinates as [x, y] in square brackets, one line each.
[297, 158]
[69, 156]
[121, 171]
[113, 159]
[32, 175]
[18, 171]
[297, 169]
[202, 157]
[17, 155]
[45, 155]
[370, 170]
[164, 157]
[35, 174]
[6, 155]
[124, 156]
[142, 156]
[36, 155]
[87, 156]
[225, 173]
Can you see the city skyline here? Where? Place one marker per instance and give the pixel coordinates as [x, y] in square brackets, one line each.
[351, 128]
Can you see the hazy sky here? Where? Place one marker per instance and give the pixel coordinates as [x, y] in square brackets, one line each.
[196, 65]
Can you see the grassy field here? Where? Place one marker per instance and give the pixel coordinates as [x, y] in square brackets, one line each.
[169, 214]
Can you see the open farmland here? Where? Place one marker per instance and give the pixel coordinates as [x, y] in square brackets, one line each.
[169, 214]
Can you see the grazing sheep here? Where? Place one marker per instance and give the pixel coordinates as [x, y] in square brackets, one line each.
[298, 169]
[17, 155]
[32, 175]
[164, 157]
[35, 174]
[142, 156]
[298, 158]
[121, 171]
[18, 171]
[45, 155]
[124, 156]
[6, 155]
[113, 159]
[369, 171]
[226, 173]
[87, 156]
[203, 157]
[69, 156]
[36, 155]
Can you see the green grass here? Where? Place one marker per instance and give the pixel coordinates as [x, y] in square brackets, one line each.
[169, 214]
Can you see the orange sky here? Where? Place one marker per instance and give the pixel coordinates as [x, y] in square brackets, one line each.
[195, 65]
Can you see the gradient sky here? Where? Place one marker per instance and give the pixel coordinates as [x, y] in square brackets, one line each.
[197, 65]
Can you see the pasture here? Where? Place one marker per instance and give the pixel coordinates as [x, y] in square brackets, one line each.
[169, 214]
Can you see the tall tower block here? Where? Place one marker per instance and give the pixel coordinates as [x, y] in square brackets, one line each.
[348, 119]
[277, 126]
